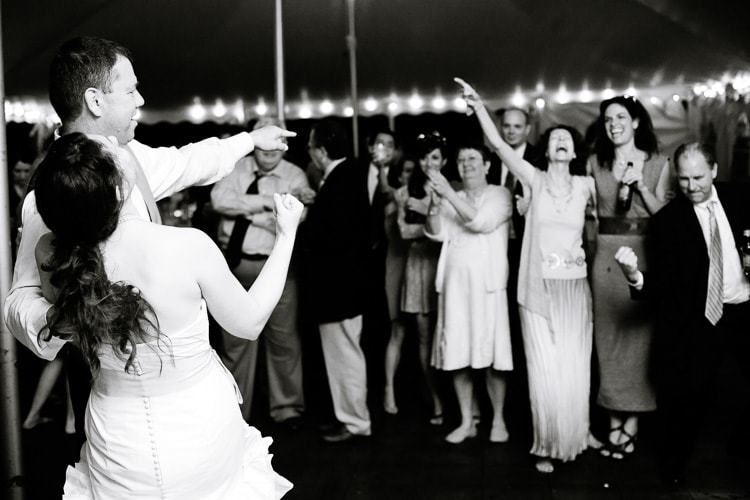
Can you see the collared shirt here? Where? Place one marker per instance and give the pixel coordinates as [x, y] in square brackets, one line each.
[372, 181]
[229, 197]
[168, 171]
[736, 287]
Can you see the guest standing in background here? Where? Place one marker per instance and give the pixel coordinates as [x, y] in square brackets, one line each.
[626, 153]
[20, 174]
[553, 291]
[418, 295]
[395, 260]
[697, 284]
[336, 241]
[244, 198]
[376, 329]
[472, 328]
[515, 127]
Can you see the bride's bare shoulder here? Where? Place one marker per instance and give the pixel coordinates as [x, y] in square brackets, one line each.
[189, 239]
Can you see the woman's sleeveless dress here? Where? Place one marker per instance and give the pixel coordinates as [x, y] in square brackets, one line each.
[623, 328]
[171, 429]
[556, 320]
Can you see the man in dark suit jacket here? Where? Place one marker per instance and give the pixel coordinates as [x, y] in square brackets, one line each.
[514, 129]
[696, 281]
[336, 240]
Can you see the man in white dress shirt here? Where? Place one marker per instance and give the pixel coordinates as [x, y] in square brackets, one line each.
[94, 90]
[702, 298]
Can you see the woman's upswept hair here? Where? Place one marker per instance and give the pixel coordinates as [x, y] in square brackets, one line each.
[77, 188]
[578, 164]
[644, 136]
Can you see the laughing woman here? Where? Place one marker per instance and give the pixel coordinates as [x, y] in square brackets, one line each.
[626, 152]
[553, 293]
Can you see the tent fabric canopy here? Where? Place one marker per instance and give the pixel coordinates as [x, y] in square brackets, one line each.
[224, 48]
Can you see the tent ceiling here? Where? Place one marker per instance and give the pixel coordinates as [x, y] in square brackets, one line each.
[224, 48]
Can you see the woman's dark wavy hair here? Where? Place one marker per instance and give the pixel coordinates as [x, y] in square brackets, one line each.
[645, 137]
[394, 173]
[77, 188]
[578, 164]
[426, 144]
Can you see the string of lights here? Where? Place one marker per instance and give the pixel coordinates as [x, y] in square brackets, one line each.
[737, 88]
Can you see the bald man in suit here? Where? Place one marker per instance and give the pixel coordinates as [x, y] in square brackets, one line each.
[702, 296]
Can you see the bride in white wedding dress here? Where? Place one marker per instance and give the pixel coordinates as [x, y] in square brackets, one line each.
[162, 419]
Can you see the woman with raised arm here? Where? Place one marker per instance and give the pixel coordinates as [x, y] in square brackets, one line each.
[162, 420]
[553, 293]
[627, 162]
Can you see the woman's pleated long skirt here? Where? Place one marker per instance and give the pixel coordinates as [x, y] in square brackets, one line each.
[558, 357]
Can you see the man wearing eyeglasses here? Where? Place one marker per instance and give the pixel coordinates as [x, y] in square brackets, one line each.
[336, 243]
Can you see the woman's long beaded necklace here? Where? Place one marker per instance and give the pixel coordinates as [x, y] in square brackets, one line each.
[561, 194]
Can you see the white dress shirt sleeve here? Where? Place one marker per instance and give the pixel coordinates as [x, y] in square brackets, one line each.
[25, 309]
[170, 170]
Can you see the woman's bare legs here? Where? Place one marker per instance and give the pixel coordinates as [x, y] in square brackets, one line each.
[496, 391]
[47, 380]
[425, 352]
[464, 386]
[70, 416]
[392, 358]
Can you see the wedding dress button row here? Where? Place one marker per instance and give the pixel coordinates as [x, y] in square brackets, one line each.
[154, 451]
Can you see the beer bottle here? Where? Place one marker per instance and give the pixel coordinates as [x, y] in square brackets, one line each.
[625, 193]
[745, 252]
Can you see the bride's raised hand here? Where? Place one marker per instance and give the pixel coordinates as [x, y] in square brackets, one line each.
[288, 211]
[468, 94]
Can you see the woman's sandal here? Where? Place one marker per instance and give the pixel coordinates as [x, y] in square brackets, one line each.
[436, 419]
[619, 451]
[606, 450]
[623, 450]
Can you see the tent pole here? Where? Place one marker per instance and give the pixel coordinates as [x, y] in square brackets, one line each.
[279, 49]
[11, 435]
[351, 42]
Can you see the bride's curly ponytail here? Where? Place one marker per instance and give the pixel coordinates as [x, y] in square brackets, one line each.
[77, 189]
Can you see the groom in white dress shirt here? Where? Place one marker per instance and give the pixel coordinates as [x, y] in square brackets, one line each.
[94, 90]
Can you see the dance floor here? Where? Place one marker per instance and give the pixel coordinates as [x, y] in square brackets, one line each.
[406, 457]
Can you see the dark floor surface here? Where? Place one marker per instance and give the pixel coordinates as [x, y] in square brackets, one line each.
[406, 458]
